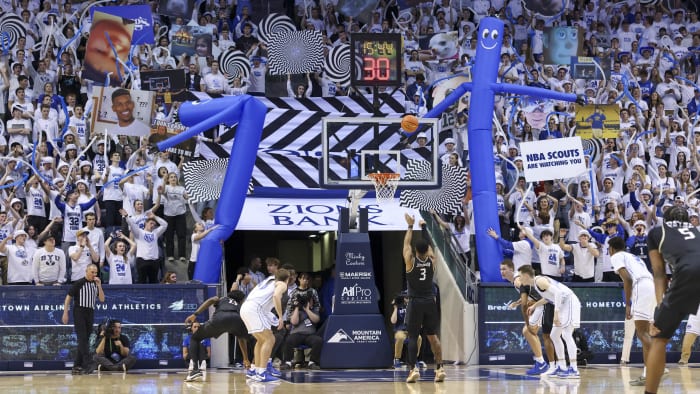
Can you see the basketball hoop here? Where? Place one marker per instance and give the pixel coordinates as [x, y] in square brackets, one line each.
[385, 184]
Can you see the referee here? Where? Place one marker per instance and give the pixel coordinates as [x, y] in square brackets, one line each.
[84, 291]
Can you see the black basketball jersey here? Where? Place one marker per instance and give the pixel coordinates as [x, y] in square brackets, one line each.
[529, 290]
[420, 278]
[226, 304]
[678, 243]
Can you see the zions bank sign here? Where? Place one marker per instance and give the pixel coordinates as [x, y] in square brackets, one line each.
[316, 214]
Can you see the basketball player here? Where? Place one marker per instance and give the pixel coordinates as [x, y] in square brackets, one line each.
[421, 310]
[676, 242]
[692, 330]
[256, 313]
[528, 296]
[639, 293]
[226, 318]
[567, 317]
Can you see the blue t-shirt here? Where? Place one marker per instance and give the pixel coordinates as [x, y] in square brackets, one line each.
[186, 341]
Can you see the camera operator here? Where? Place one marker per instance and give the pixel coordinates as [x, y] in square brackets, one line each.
[113, 353]
[398, 319]
[303, 312]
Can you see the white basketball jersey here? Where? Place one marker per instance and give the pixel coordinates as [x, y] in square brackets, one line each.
[261, 294]
[633, 264]
[554, 291]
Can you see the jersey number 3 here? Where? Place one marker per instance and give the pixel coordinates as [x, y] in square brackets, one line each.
[422, 274]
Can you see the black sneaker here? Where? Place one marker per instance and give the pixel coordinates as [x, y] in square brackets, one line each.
[76, 371]
[313, 365]
[90, 369]
[285, 366]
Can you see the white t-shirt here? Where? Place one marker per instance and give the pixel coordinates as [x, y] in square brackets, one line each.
[119, 269]
[147, 241]
[136, 128]
[584, 261]
[195, 249]
[72, 221]
[550, 256]
[112, 191]
[19, 124]
[522, 253]
[19, 265]
[174, 203]
[80, 265]
[133, 192]
[49, 266]
[79, 127]
[35, 202]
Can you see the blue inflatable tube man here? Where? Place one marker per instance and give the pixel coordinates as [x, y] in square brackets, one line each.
[249, 114]
[484, 87]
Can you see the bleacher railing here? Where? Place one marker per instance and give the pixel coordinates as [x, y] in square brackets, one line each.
[452, 253]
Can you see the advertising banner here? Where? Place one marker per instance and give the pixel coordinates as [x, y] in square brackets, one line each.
[355, 291]
[152, 317]
[356, 341]
[602, 323]
[303, 214]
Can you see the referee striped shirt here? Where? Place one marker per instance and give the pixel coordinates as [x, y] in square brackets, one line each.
[84, 293]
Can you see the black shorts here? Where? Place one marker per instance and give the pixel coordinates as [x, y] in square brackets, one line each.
[547, 318]
[421, 313]
[681, 299]
[220, 323]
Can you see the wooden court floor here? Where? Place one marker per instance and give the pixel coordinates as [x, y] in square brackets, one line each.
[471, 379]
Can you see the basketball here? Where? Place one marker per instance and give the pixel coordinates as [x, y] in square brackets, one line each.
[409, 123]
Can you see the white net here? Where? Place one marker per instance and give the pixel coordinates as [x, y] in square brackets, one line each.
[385, 184]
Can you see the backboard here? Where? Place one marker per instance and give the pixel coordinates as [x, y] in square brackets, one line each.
[354, 147]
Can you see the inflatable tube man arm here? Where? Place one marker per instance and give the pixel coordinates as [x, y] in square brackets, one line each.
[249, 114]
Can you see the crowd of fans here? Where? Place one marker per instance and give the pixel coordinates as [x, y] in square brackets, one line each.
[83, 206]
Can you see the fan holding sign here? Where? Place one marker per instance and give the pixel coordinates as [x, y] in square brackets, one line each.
[548, 159]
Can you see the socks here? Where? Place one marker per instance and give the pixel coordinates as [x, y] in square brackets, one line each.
[561, 364]
[574, 365]
[539, 359]
[644, 372]
[260, 370]
[438, 366]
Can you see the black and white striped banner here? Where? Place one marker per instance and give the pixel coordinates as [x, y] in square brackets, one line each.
[295, 52]
[445, 200]
[290, 148]
[204, 178]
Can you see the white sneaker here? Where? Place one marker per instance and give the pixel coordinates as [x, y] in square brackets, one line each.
[551, 371]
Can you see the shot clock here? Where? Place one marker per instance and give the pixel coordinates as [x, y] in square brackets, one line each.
[377, 59]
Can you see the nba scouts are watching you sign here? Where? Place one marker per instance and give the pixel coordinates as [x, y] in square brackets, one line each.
[553, 159]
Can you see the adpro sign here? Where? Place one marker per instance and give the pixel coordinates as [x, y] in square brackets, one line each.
[553, 159]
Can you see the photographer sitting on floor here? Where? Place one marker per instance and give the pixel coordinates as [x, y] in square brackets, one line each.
[303, 311]
[113, 353]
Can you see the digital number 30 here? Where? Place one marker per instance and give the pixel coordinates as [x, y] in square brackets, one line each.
[376, 69]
